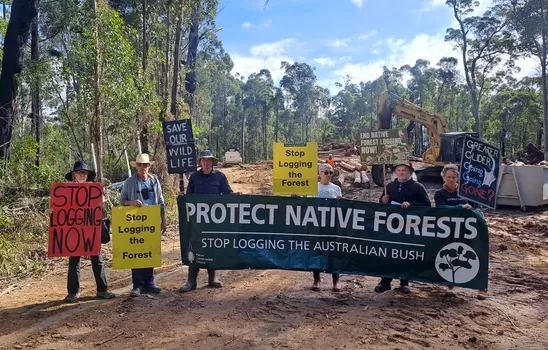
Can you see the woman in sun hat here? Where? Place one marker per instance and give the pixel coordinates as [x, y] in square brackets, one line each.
[81, 173]
[143, 188]
[406, 192]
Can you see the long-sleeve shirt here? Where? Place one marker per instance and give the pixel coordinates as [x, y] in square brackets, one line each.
[443, 197]
[212, 183]
[409, 191]
[131, 191]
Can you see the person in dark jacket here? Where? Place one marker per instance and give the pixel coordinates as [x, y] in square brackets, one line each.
[404, 191]
[81, 173]
[205, 181]
[447, 196]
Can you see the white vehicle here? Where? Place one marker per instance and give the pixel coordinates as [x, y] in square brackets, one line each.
[232, 157]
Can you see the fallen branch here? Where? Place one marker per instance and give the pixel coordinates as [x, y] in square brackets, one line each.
[109, 339]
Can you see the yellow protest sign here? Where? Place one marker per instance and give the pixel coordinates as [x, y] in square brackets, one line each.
[295, 169]
[136, 237]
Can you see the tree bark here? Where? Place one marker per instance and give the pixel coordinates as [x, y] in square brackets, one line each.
[36, 106]
[144, 58]
[192, 55]
[176, 61]
[543, 78]
[17, 34]
[97, 112]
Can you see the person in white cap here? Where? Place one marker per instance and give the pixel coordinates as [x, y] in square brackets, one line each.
[143, 188]
[327, 189]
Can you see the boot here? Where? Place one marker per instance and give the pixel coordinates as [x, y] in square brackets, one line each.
[191, 283]
[213, 281]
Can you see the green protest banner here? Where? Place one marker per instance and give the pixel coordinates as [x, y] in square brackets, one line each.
[439, 245]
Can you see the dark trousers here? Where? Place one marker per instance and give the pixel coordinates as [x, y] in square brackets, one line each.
[73, 281]
[388, 281]
[142, 278]
[193, 272]
[317, 276]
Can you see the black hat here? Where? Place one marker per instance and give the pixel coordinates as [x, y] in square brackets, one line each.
[79, 166]
[407, 164]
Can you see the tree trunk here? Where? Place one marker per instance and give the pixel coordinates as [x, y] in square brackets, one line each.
[265, 147]
[167, 52]
[276, 124]
[543, 78]
[192, 55]
[17, 34]
[144, 58]
[36, 106]
[242, 138]
[97, 112]
[176, 61]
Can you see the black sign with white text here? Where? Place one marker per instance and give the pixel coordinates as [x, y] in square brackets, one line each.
[479, 172]
[180, 147]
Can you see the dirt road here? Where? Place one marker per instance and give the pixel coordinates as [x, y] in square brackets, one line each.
[276, 309]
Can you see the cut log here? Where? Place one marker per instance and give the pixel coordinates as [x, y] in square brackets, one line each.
[357, 179]
[365, 179]
[346, 166]
[349, 177]
[357, 166]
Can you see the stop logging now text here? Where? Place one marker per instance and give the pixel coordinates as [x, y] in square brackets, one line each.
[324, 216]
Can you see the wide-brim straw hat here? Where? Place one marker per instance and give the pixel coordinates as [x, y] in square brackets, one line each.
[142, 158]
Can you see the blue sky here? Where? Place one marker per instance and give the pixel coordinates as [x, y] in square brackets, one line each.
[338, 37]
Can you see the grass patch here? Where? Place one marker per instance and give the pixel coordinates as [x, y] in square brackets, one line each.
[23, 240]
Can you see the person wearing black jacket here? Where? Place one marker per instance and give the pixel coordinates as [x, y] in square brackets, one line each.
[405, 192]
[447, 195]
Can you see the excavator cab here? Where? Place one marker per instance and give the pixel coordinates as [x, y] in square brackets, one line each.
[435, 146]
[451, 146]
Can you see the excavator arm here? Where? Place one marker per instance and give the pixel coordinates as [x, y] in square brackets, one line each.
[393, 105]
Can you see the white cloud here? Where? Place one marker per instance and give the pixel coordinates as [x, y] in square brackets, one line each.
[246, 25]
[324, 61]
[529, 67]
[272, 49]
[400, 52]
[338, 43]
[264, 56]
[358, 3]
[367, 35]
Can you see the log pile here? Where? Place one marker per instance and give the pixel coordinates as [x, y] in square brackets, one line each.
[531, 155]
[339, 148]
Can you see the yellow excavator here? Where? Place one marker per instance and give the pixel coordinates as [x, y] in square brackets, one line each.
[442, 147]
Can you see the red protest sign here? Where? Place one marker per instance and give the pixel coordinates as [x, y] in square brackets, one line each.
[76, 218]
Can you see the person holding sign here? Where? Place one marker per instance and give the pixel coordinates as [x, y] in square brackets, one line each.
[81, 173]
[141, 189]
[447, 197]
[205, 181]
[406, 192]
[326, 189]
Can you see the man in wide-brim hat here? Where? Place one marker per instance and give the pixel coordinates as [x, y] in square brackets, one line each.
[205, 181]
[140, 189]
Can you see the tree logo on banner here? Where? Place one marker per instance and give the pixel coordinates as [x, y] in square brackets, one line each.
[457, 263]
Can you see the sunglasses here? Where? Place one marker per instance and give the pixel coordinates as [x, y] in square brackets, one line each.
[146, 193]
[328, 173]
